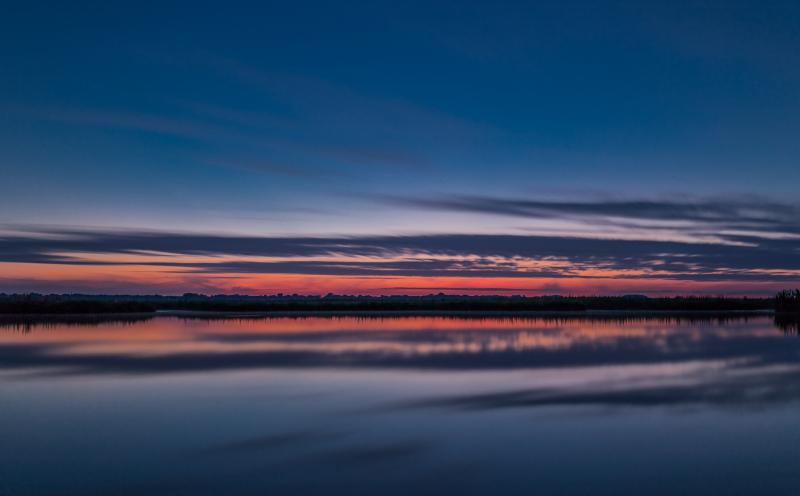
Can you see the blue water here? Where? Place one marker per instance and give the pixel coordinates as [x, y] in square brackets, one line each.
[429, 405]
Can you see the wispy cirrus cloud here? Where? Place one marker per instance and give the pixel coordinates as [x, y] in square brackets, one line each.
[420, 256]
[731, 218]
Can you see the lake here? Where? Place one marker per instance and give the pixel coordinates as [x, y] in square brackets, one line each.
[400, 405]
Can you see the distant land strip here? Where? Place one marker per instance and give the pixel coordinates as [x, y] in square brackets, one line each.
[784, 302]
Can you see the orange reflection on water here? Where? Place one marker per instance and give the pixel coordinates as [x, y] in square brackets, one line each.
[421, 335]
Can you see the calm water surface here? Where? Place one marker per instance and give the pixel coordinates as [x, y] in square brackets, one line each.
[411, 405]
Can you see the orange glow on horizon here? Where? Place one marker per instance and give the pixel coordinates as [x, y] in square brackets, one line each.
[176, 280]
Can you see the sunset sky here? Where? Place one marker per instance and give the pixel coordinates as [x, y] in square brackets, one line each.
[604, 147]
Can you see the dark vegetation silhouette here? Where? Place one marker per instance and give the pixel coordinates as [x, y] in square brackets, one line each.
[122, 304]
[788, 302]
[787, 311]
[70, 304]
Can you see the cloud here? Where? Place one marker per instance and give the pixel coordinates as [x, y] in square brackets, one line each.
[121, 119]
[759, 259]
[746, 214]
[276, 168]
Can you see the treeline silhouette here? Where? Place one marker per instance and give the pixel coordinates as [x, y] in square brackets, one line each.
[70, 304]
[83, 304]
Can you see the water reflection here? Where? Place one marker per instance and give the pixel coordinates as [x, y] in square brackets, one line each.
[789, 324]
[170, 344]
[432, 404]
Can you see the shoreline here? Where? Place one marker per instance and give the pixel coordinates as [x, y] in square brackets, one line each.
[223, 314]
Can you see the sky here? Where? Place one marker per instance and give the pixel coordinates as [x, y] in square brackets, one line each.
[604, 147]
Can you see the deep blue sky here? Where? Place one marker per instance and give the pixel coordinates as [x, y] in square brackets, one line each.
[375, 118]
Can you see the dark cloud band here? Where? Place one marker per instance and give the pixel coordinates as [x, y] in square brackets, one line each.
[421, 255]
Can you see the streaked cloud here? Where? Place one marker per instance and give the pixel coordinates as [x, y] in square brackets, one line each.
[488, 257]
[734, 219]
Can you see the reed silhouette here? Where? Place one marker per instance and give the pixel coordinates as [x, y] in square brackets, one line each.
[788, 301]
